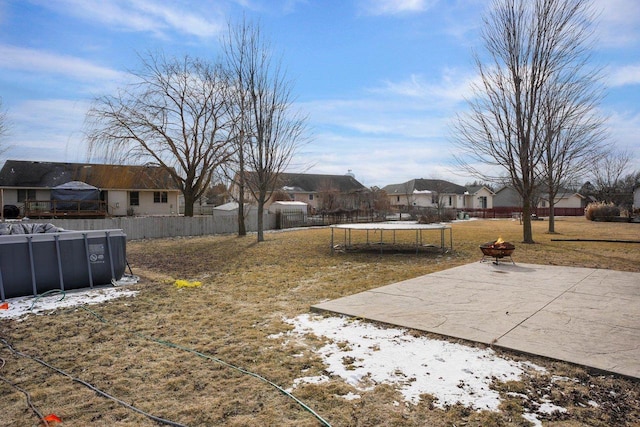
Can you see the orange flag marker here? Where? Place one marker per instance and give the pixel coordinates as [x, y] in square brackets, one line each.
[52, 418]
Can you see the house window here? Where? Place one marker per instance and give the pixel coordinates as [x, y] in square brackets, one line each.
[134, 198]
[310, 196]
[26, 195]
[160, 197]
[397, 198]
[450, 201]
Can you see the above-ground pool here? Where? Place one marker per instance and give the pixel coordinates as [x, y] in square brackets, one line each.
[31, 264]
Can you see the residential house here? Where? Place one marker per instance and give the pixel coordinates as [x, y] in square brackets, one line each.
[438, 193]
[564, 199]
[508, 197]
[124, 189]
[479, 197]
[636, 198]
[319, 192]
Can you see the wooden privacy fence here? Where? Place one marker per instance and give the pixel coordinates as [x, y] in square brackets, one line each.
[154, 227]
[510, 212]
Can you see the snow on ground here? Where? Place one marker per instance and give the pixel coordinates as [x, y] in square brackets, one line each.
[21, 306]
[363, 354]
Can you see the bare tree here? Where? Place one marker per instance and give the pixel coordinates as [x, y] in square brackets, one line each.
[237, 45]
[269, 132]
[529, 46]
[3, 121]
[608, 175]
[573, 131]
[175, 114]
[4, 128]
[409, 196]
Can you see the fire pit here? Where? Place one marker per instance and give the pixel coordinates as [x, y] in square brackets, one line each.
[497, 249]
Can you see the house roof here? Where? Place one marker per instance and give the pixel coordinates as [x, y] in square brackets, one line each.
[421, 185]
[28, 174]
[305, 182]
[473, 189]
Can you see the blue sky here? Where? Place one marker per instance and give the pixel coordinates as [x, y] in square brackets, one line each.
[379, 79]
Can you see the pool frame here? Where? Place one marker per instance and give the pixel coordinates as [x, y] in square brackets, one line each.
[31, 264]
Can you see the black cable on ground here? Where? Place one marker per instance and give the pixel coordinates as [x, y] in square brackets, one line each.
[95, 389]
[26, 395]
[215, 359]
[596, 240]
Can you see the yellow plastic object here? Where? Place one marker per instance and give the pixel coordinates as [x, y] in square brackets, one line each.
[187, 284]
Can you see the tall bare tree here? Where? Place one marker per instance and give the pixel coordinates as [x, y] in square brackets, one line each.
[4, 128]
[269, 130]
[237, 46]
[531, 46]
[3, 120]
[175, 114]
[573, 130]
[608, 175]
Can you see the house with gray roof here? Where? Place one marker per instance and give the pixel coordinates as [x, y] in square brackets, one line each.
[507, 196]
[316, 189]
[121, 189]
[438, 193]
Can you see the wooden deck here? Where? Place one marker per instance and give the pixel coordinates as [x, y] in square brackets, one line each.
[65, 209]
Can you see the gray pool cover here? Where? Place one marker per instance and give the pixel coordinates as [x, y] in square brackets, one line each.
[585, 316]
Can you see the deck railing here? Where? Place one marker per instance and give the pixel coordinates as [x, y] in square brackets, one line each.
[65, 208]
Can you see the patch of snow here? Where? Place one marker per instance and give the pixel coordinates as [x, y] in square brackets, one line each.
[532, 418]
[350, 396]
[363, 355]
[550, 408]
[22, 306]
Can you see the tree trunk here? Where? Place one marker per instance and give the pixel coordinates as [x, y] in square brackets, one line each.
[189, 201]
[261, 218]
[552, 216]
[526, 221]
[242, 229]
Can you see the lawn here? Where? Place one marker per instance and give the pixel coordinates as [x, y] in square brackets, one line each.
[161, 351]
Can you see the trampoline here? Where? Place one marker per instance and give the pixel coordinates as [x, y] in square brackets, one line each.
[392, 236]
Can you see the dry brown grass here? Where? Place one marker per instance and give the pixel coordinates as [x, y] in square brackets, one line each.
[248, 289]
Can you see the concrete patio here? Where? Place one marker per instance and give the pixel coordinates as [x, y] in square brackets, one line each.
[586, 316]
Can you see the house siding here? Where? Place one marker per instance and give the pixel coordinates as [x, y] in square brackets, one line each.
[114, 181]
[475, 200]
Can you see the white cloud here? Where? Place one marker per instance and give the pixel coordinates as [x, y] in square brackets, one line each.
[618, 22]
[49, 129]
[394, 7]
[153, 16]
[452, 88]
[389, 134]
[626, 75]
[39, 61]
[624, 128]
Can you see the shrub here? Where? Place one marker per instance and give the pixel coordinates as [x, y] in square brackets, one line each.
[600, 211]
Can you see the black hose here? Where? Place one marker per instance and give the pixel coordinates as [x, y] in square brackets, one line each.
[97, 390]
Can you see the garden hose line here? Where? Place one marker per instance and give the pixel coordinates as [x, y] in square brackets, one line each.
[215, 359]
[95, 389]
